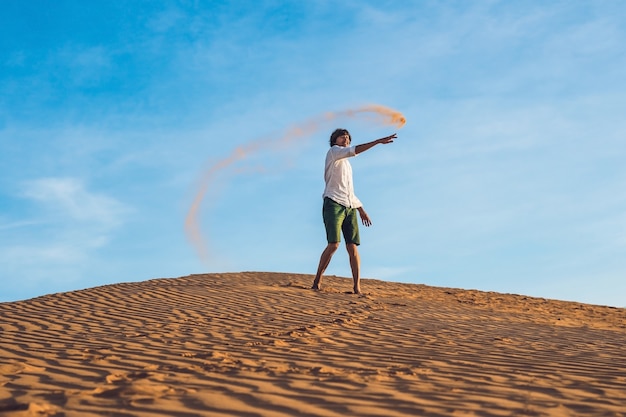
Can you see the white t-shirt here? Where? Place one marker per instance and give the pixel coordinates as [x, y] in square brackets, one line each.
[338, 176]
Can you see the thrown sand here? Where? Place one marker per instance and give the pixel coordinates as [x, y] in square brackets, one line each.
[264, 344]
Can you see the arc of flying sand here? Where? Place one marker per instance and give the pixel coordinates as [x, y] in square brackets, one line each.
[376, 112]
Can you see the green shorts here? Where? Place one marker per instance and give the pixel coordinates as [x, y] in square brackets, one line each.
[338, 218]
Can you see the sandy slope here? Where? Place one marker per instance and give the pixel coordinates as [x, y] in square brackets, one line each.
[263, 344]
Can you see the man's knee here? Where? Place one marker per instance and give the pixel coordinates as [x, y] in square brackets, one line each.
[332, 246]
[351, 248]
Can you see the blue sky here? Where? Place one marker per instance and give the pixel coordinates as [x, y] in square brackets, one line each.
[509, 175]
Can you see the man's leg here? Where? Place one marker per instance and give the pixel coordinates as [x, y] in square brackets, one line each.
[324, 261]
[355, 265]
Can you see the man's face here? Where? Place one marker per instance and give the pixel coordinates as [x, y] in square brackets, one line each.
[343, 140]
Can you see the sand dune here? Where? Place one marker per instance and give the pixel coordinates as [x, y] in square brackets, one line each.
[264, 344]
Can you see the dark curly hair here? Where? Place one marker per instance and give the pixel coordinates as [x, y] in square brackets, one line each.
[336, 134]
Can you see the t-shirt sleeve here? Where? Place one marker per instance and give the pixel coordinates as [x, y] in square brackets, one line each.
[340, 152]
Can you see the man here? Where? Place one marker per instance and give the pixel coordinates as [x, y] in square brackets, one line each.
[341, 205]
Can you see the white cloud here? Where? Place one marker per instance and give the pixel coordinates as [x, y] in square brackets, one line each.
[8, 225]
[72, 202]
[58, 238]
[54, 253]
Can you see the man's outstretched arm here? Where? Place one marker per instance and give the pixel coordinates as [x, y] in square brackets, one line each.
[365, 146]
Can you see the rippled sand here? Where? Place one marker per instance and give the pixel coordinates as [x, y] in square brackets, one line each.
[264, 344]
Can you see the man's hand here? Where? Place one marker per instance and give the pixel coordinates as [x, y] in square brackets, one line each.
[365, 146]
[387, 139]
[365, 219]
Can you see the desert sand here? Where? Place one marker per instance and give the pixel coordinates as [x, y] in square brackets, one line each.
[264, 344]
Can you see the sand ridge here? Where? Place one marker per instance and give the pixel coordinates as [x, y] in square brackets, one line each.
[264, 344]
